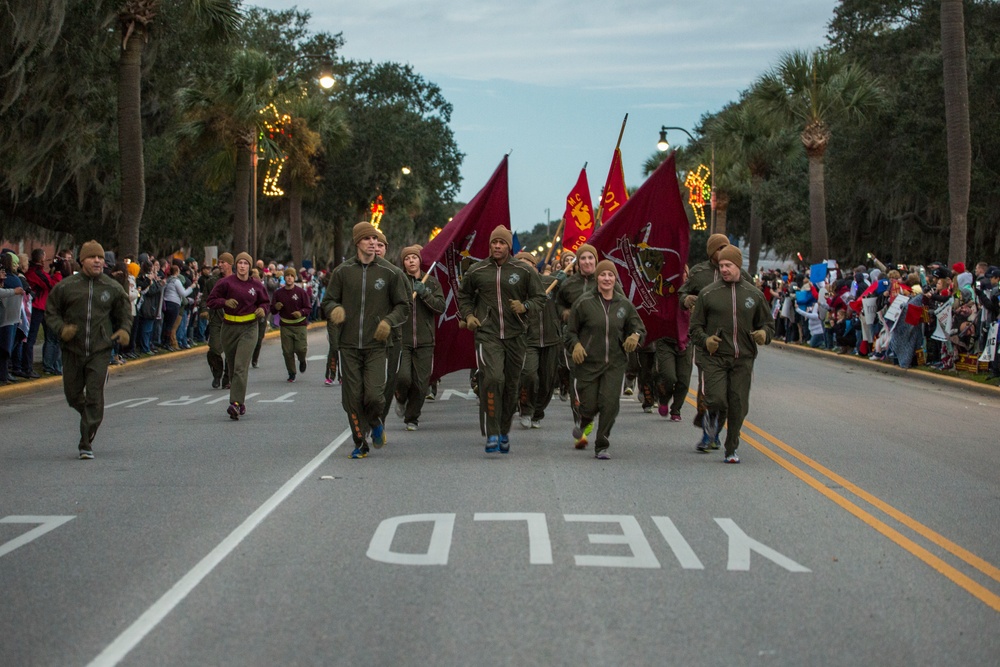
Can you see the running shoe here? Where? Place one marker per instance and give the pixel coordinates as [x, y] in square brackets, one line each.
[663, 410]
[525, 421]
[328, 382]
[411, 426]
[302, 366]
[291, 378]
[400, 409]
[360, 452]
[504, 444]
[492, 444]
[243, 409]
[580, 435]
[648, 409]
[675, 417]
[234, 411]
[216, 383]
[704, 445]
[603, 455]
[732, 458]
[536, 423]
[378, 436]
[86, 454]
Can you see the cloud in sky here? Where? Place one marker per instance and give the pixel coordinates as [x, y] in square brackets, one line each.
[552, 79]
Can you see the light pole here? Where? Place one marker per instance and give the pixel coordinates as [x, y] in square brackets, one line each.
[663, 145]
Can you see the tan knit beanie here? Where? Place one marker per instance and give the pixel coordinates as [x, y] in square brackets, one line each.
[246, 256]
[586, 247]
[733, 254]
[90, 249]
[503, 234]
[227, 258]
[410, 250]
[381, 237]
[715, 242]
[606, 265]
[527, 257]
[290, 271]
[363, 230]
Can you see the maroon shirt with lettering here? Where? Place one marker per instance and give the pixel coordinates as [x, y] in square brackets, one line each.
[292, 300]
[250, 293]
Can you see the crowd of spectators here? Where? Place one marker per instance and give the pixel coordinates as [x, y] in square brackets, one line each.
[934, 315]
[168, 305]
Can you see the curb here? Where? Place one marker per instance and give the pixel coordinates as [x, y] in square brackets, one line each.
[891, 369]
[29, 386]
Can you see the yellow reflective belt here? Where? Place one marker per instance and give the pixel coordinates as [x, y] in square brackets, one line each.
[240, 318]
[284, 321]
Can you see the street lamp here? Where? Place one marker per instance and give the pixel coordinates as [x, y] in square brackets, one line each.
[327, 81]
[663, 145]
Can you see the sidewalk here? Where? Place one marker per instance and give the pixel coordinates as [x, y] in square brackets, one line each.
[919, 374]
[28, 386]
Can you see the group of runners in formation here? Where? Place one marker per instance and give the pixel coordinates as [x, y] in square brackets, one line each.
[575, 329]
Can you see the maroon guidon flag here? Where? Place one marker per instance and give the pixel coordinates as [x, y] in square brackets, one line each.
[647, 239]
[464, 241]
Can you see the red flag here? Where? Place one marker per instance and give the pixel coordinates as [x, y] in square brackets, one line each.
[464, 241]
[615, 195]
[579, 215]
[648, 242]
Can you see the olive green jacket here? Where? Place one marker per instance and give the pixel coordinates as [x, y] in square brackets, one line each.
[602, 328]
[732, 311]
[419, 329]
[702, 275]
[544, 327]
[97, 306]
[369, 293]
[487, 290]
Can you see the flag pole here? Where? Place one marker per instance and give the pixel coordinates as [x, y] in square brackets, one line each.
[600, 208]
[548, 255]
[427, 274]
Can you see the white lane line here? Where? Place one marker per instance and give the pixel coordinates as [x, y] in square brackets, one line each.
[135, 633]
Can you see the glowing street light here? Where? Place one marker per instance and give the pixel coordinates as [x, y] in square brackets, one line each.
[327, 81]
[663, 145]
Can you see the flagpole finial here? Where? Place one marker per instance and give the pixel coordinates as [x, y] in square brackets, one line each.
[509, 152]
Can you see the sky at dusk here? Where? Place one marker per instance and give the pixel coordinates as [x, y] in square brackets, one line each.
[551, 80]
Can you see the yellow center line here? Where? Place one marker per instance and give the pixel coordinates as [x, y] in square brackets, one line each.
[975, 589]
[980, 592]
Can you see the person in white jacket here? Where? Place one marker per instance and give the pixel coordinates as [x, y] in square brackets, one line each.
[817, 338]
[174, 296]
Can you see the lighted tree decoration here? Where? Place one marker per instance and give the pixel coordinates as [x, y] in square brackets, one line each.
[699, 194]
[378, 210]
[278, 127]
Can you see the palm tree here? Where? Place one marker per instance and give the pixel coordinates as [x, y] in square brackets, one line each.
[956, 113]
[135, 20]
[221, 121]
[814, 91]
[758, 143]
[318, 127]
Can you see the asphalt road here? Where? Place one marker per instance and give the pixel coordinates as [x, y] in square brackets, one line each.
[862, 528]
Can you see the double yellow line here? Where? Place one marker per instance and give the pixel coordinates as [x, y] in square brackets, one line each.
[977, 590]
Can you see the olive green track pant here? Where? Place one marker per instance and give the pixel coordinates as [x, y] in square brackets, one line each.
[725, 382]
[647, 376]
[500, 361]
[363, 392]
[238, 341]
[393, 354]
[598, 387]
[218, 364]
[413, 380]
[293, 344]
[673, 374]
[83, 383]
[538, 380]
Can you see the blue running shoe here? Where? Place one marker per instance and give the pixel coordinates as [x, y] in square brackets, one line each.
[504, 444]
[715, 443]
[704, 445]
[360, 452]
[378, 436]
[492, 444]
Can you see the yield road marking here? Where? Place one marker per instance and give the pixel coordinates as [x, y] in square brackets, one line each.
[46, 523]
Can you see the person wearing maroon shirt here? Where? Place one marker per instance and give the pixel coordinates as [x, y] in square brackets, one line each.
[244, 301]
[292, 305]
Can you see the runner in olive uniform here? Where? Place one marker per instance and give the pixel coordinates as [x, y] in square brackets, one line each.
[292, 304]
[538, 377]
[582, 280]
[417, 360]
[244, 302]
[731, 319]
[90, 311]
[495, 295]
[603, 328]
[395, 350]
[700, 276]
[218, 364]
[366, 297]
